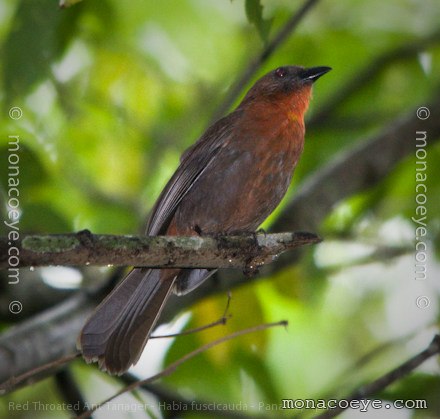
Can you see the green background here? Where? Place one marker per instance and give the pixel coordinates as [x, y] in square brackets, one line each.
[112, 92]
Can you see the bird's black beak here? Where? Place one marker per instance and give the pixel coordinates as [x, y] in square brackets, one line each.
[313, 73]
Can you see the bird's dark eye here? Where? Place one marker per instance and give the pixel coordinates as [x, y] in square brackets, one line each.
[280, 72]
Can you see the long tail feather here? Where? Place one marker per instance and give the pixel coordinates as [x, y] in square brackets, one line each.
[118, 330]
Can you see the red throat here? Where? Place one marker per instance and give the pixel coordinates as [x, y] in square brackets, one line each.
[297, 104]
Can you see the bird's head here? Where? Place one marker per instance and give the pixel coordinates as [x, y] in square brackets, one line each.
[289, 87]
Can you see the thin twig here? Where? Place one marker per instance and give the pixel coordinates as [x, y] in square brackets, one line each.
[256, 63]
[171, 368]
[13, 382]
[382, 382]
[220, 322]
[362, 167]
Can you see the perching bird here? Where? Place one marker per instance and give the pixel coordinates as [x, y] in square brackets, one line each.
[229, 181]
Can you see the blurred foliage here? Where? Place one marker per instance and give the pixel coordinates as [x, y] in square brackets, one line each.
[254, 14]
[112, 93]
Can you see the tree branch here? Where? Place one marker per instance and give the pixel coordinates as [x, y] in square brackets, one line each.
[52, 334]
[387, 379]
[173, 366]
[84, 248]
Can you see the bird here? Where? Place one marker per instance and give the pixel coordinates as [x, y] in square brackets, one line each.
[229, 181]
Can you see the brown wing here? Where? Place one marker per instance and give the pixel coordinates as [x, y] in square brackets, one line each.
[193, 163]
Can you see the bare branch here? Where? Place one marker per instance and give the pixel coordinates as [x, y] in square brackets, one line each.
[52, 334]
[84, 248]
[35, 374]
[172, 367]
[387, 379]
[220, 322]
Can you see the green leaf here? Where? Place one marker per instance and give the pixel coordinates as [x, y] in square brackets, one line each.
[40, 33]
[254, 13]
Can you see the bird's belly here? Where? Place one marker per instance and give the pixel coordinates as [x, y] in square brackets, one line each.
[236, 193]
